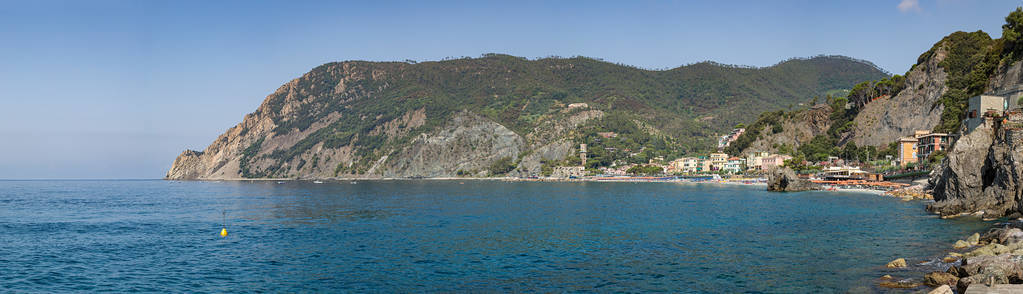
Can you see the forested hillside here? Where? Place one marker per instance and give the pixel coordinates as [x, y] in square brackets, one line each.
[362, 112]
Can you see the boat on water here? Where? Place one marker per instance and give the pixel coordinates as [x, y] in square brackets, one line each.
[317, 182]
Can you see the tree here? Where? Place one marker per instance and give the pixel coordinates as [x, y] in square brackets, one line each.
[850, 151]
[502, 166]
[1012, 31]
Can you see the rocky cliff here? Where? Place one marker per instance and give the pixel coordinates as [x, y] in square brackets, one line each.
[796, 129]
[914, 108]
[982, 173]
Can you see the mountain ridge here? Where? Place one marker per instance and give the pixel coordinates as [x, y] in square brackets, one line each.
[337, 109]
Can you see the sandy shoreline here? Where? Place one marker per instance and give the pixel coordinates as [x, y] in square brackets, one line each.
[744, 182]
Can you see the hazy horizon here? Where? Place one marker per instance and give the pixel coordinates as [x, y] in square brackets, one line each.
[117, 89]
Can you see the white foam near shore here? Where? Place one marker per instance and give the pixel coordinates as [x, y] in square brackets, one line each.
[855, 190]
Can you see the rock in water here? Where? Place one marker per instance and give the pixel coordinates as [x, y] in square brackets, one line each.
[902, 284]
[898, 263]
[960, 244]
[940, 278]
[784, 179]
[944, 289]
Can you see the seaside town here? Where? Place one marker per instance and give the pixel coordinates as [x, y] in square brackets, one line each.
[902, 174]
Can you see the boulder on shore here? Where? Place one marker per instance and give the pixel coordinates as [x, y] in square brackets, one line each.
[973, 239]
[960, 244]
[940, 278]
[784, 179]
[898, 263]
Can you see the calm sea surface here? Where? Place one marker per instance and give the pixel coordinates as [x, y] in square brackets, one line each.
[480, 236]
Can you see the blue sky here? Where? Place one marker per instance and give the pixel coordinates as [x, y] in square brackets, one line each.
[117, 89]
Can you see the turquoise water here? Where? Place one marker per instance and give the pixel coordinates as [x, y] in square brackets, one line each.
[480, 236]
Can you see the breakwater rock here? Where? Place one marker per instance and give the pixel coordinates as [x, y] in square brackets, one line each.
[784, 179]
[995, 258]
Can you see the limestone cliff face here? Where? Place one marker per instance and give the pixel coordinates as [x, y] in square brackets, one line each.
[915, 108]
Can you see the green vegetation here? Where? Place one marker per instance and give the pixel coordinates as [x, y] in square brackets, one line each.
[1012, 34]
[645, 170]
[502, 166]
[841, 117]
[247, 155]
[632, 142]
[753, 132]
[971, 59]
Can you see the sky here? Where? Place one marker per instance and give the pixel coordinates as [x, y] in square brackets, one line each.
[117, 89]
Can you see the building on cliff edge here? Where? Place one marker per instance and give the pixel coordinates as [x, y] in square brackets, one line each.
[979, 107]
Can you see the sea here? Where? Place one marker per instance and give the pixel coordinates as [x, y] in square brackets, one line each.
[457, 236]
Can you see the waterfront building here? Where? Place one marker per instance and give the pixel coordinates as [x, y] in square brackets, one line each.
[774, 161]
[754, 161]
[907, 152]
[733, 165]
[704, 164]
[979, 106]
[931, 142]
[718, 160]
[841, 173]
[691, 165]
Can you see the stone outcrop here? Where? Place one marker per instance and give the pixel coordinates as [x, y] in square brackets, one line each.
[800, 128]
[784, 179]
[981, 175]
[470, 143]
[914, 108]
[997, 260]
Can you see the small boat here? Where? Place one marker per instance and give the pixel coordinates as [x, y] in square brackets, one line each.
[317, 182]
[354, 182]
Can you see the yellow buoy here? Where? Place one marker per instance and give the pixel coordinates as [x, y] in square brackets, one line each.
[223, 230]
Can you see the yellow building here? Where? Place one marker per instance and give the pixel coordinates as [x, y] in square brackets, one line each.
[907, 150]
[718, 161]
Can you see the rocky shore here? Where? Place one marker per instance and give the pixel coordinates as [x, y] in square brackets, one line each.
[991, 262]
